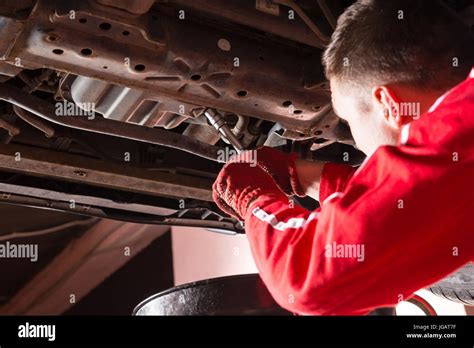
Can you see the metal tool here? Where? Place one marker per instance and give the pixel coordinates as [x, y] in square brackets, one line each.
[219, 123]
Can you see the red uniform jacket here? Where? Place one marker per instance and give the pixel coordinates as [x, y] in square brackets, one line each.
[402, 221]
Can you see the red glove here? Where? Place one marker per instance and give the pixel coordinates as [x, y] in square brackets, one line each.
[278, 164]
[238, 185]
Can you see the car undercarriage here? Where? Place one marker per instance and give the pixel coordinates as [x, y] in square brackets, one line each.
[127, 110]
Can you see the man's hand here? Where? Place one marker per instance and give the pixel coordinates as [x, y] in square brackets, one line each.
[309, 176]
[238, 185]
[279, 165]
[293, 176]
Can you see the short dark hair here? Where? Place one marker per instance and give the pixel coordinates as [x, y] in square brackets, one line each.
[416, 42]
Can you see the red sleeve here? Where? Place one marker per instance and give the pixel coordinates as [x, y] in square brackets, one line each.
[401, 224]
[334, 178]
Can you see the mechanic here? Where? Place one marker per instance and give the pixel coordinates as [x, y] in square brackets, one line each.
[409, 206]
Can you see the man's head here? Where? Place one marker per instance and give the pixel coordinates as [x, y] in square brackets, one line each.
[389, 60]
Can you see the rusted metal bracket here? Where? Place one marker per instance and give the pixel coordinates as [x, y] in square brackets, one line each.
[73, 168]
[181, 59]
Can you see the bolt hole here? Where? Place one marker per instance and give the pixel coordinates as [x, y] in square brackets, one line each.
[318, 132]
[327, 126]
[139, 67]
[316, 107]
[242, 93]
[80, 173]
[286, 103]
[196, 77]
[105, 26]
[83, 20]
[255, 104]
[58, 51]
[224, 44]
[125, 33]
[320, 141]
[105, 67]
[297, 112]
[86, 52]
[52, 38]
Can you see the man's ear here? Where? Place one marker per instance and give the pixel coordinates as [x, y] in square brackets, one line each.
[386, 100]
